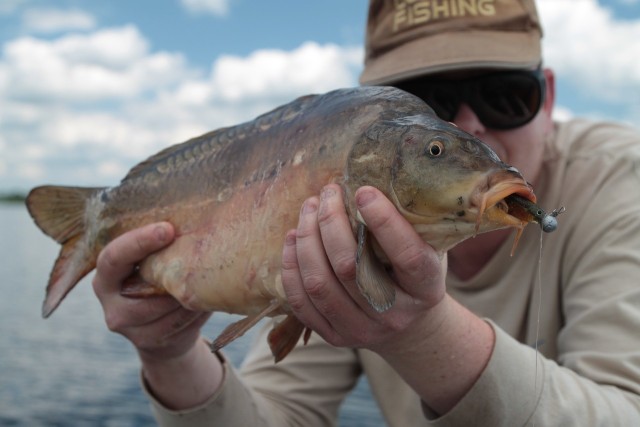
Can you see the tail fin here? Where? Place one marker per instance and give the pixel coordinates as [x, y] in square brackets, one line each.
[60, 214]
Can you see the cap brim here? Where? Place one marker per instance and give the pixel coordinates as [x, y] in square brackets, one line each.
[452, 52]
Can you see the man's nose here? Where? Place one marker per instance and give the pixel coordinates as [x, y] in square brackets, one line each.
[467, 120]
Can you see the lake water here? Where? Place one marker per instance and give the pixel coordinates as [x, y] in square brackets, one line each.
[69, 370]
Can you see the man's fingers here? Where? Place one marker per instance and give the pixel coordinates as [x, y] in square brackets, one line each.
[292, 282]
[340, 243]
[337, 235]
[413, 260]
[314, 272]
[117, 260]
[125, 313]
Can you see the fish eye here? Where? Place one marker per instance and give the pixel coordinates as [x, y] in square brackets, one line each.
[435, 148]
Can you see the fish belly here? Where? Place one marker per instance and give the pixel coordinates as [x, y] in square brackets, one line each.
[227, 255]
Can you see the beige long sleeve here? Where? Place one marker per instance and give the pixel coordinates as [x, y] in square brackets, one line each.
[580, 301]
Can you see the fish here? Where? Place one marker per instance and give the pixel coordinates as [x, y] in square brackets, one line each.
[233, 193]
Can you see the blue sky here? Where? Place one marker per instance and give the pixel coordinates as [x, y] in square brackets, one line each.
[89, 88]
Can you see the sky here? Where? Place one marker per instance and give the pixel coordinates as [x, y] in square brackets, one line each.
[90, 88]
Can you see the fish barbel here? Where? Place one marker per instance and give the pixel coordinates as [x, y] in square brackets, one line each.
[232, 194]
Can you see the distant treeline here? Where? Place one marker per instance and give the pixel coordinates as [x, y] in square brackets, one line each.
[12, 197]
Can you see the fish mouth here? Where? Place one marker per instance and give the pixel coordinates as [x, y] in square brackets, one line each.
[498, 209]
[496, 206]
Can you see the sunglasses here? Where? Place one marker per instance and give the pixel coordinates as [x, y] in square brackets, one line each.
[503, 100]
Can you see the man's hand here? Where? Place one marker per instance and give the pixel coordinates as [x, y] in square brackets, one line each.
[319, 272]
[436, 345]
[176, 363]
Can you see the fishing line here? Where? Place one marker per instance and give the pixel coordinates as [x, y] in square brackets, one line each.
[537, 342]
[548, 224]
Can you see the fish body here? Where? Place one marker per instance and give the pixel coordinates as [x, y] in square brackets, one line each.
[232, 194]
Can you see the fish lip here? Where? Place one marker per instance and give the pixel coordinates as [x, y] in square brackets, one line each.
[500, 186]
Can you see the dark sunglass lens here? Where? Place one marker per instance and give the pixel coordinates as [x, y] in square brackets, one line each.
[508, 100]
[443, 99]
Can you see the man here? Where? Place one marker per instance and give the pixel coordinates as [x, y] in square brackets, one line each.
[479, 338]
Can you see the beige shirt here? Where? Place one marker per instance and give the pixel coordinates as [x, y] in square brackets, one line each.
[580, 301]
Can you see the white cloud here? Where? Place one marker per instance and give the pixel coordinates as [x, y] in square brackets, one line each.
[7, 7]
[112, 47]
[562, 114]
[111, 168]
[585, 43]
[30, 171]
[107, 64]
[55, 20]
[311, 67]
[193, 93]
[100, 130]
[3, 163]
[82, 109]
[19, 113]
[214, 7]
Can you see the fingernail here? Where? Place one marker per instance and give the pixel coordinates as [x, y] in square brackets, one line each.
[290, 238]
[309, 206]
[364, 196]
[161, 233]
[327, 193]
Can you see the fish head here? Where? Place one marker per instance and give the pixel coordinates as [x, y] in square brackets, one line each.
[451, 186]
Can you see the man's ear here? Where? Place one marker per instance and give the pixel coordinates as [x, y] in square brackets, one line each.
[550, 91]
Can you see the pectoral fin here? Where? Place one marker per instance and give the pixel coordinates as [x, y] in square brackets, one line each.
[135, 287]
[372, 278]
[237, 329]
[285, 335]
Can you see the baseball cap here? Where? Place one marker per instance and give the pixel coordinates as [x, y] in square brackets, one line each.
[409, 38]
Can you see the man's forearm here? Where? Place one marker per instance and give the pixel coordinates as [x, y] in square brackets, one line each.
[443, 366]
[186, 381]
